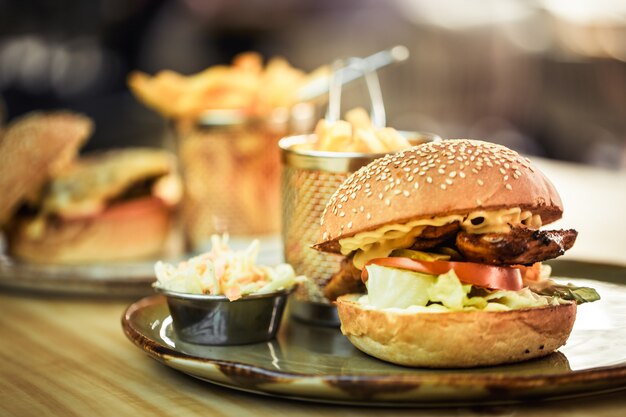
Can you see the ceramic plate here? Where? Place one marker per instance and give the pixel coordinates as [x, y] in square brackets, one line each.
[123, 279]
[319, 364]
[115, 279]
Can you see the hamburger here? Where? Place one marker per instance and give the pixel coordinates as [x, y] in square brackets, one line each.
[444, 252]
[114, 205]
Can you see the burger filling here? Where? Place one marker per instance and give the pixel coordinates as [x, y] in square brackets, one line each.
[484, 260]
[381, 242]
[91, 185]
[404, 289]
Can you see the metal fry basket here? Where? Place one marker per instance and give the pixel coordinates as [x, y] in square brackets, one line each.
[309, 178]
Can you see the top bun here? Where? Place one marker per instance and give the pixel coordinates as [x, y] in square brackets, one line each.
[32, 149]
[456, 176]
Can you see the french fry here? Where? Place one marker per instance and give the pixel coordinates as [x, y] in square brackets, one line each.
[359, 118]
[392, 139]
[369, 142]
[245, 85]
[338, 136]
[357, 134]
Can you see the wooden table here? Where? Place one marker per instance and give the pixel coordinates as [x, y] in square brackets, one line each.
[69, 357]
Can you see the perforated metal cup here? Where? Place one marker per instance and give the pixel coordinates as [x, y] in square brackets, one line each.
[309, 178]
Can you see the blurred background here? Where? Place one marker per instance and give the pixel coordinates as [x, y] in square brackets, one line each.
[546, 77]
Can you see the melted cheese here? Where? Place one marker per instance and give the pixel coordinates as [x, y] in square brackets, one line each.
[381, 242]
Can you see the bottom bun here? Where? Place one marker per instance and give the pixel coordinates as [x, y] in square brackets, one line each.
[125, 231]
[456, 339]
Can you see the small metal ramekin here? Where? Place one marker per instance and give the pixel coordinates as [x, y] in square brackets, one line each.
[214, 320]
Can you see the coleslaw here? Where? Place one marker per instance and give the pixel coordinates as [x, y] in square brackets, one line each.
[223, 271]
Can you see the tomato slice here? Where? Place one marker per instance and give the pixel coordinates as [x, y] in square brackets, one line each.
[493, 277]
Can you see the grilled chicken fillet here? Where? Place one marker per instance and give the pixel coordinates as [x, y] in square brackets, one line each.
[520, 246]
[433, 236]
[344, 281]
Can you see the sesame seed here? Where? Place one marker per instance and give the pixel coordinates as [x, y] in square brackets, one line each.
[429, 180]
[416, 185]
[405, 193]
[443, 186]
[387, 202]
[452, 174]
[350, 225]
[396, 192]
[448, 181]
[462, 174]
[368, 216]
[441, 171]
[502, 171]
[508, 187]
[342, 214]
[480, 182]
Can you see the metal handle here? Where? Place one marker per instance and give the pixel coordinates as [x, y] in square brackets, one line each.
[318, 87]
[364, 69]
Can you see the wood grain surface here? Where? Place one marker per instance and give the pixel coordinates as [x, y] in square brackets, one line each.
[69, 357]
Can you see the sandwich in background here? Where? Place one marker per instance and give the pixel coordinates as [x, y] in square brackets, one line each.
[114, 205]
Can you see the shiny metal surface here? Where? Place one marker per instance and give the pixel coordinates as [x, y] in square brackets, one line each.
[309, 178]
[214, 320]
[323, 314]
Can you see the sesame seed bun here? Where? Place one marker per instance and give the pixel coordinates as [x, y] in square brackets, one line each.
[436, 179]
[455, 339]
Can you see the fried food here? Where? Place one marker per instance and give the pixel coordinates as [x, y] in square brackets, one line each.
[346, 280]
[357, 134]
[520, 246]
[433, 236]
[244, 85]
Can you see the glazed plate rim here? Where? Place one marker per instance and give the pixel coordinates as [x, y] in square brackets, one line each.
[339, 387]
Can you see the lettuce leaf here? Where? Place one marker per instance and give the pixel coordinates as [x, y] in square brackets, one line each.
[391, 287]
[569, 292]
[398, 288]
